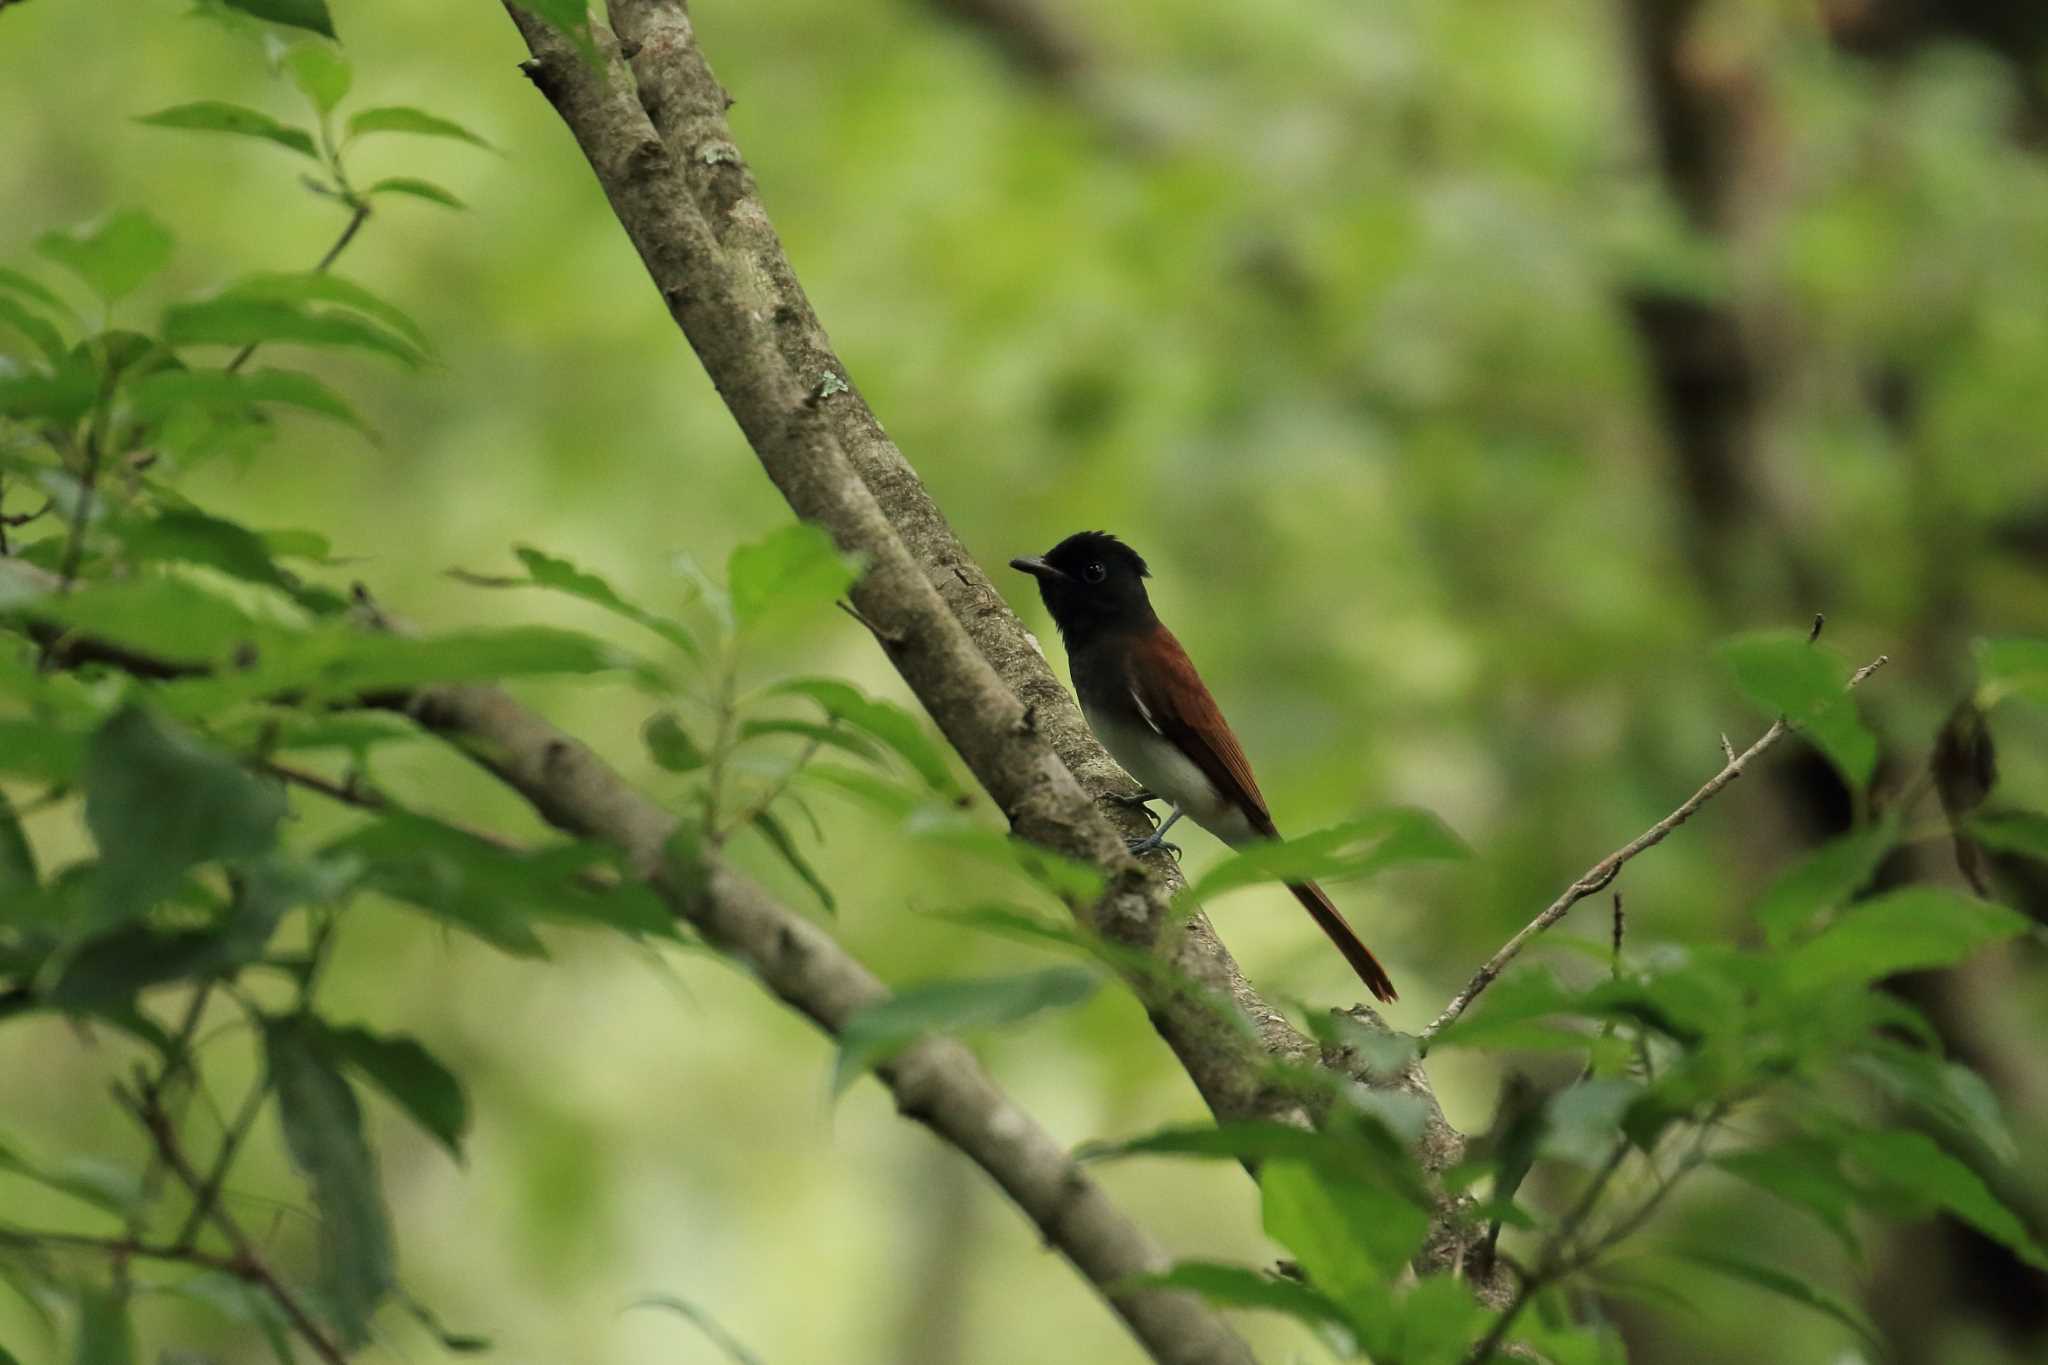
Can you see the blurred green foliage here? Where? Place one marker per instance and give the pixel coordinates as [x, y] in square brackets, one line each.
[1325, 308]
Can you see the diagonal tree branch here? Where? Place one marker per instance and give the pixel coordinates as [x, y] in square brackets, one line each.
[937, 1082]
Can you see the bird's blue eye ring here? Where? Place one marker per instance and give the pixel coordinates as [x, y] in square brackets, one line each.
[1095, 573]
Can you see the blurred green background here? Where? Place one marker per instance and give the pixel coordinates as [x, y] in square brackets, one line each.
[1465, 369]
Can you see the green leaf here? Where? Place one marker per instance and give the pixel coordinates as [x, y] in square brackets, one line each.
[879, 1031]
[789, 572]
[35, 327]
[401, 119]
[189, 537]
[171, 391]
[101, 1184]
[323, 1128]
[361, 662]
[670, 744]
[2013, 667]
[2013, 831]
[17, 858]
[1808, 685]
[246, 321]
[831, 736]
[166, 618]
[106, 1336]
[1917, 1174]
[1911, 929]
[1231, 1286]
[410, 1076]
[415, 188]
[218, 116]
[1824, 880]
[30, 288]
[60, 398]
[323, 74]
[115, 256]
[1357, 848]
[308, 14]
[42, 751]
[1353, 1145]
[1353, 1237]
[1954, 1098]
[158, 802]
[773, 830]
[496, 893]
[1804, 1172]
[320, 286]
[886, 722]
[544, 570]
[1796, 1288]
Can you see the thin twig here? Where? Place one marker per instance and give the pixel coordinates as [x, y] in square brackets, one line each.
[355, 223]
[252, 1266]
[1603, 872]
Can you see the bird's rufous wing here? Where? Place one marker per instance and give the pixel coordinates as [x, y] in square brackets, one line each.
[1172, 700]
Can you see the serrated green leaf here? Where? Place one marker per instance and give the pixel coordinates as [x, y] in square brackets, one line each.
[777, 836]
[1231, 1286]
[189, 537]
[1910, 929]
[246, 321]
[879, 1031]
[1357, 848]
[1915, 1172]
[114, 256]
[2013, 666]
[323, 1128]
[1807, 684]
[415, 188]
[1824, 880]
[1952, 1097]
[790, 572]
[218, 116]
[403, 119]
[306, 14]
[410, 1076]
[886, 722]
[35, 327]
[158, 802]
[322, 74]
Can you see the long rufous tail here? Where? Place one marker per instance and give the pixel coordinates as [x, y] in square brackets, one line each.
[1356, 953]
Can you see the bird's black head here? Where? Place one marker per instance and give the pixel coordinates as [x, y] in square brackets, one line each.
[1091, 581]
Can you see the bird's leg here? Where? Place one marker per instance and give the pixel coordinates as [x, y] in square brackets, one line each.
[1157, 838]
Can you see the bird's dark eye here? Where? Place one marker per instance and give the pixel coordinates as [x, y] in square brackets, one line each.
[1095, 573]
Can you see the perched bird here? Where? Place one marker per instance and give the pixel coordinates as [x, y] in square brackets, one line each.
[1147, 705]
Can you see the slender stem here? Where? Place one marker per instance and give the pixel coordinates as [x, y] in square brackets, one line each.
[722, 740]
[251, 1265]
[781, 785]
[359, 211]
[1603, 872]
[204, 1198]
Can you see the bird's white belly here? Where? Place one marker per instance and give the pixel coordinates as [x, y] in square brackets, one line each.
[1170, 775]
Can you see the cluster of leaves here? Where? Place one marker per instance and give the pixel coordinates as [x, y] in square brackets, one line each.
[1850, 1109]
[172, 675]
